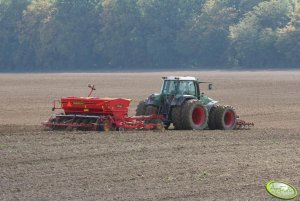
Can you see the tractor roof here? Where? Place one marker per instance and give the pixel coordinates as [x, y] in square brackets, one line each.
[179, 78]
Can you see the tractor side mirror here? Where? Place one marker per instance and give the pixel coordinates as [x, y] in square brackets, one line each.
[210, 86]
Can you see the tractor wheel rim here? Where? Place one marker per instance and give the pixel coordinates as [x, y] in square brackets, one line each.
[229, 118]
[198, 116]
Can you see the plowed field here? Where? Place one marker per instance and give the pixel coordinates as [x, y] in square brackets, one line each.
[147, 165]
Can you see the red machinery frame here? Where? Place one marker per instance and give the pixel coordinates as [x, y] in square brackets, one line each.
[88, 113]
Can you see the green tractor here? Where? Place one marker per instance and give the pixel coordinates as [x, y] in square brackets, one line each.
[183, 104]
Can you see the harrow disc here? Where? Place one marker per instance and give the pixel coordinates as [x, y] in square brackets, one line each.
[73, 122]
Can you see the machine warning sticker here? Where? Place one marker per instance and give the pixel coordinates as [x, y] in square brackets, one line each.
[119, 105]
[78, 103]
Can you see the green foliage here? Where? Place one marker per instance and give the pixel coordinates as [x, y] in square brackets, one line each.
[273, 14]
[254, 37]
[11, 13]
[66, 35]
[34, 34]
[288, 42]
[205, 37]
[162, 22]
[74, 26]
[120, 40]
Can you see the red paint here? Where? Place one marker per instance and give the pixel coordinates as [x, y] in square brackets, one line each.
[229, 118]
[198, 116]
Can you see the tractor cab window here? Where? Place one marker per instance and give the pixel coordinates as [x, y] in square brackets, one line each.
[187, 88]
[169, 87]
[176, 87]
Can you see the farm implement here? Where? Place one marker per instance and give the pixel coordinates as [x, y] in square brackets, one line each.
[99, 114]
[180, 103]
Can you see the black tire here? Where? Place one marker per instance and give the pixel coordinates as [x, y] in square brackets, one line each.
[176, 118]
[212, 118]
[141, 109]
[194, 115]
[150, 109]
[225, 118]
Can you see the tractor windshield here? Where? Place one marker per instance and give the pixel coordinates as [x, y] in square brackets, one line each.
[179, 87]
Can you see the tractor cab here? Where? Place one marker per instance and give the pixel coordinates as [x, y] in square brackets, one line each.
[180, 86]
[175, 91]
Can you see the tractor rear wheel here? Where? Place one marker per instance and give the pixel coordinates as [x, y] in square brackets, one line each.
[225, 118]
[176, 118]
[141, 109]
[194, 115]
[212, 118]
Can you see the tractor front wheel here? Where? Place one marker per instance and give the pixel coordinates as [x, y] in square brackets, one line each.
[141, 109]
[194, 115]
[150, 110]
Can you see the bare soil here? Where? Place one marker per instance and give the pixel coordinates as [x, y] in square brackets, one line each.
[147, 165]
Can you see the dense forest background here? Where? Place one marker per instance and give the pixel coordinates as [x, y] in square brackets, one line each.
[66, 35]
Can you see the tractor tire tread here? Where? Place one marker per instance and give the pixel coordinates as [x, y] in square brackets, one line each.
[150, 110]
[187, 113]
[176, 118]
[212, 118]
[141, 109]
[219, 115]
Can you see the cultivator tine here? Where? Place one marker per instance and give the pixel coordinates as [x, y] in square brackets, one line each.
[71, 122]
[243, 125]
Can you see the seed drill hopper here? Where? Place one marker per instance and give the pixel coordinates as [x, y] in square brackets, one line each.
[98, 114]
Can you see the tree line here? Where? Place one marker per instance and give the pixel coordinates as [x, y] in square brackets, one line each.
[66, 35]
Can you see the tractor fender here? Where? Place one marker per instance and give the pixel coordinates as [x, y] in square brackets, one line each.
[178, 101]
[153, 99]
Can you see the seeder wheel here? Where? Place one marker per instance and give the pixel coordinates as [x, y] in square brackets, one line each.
[159, 125]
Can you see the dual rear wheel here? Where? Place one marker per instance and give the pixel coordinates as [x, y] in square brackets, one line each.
[193, 115]
[222, 118]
